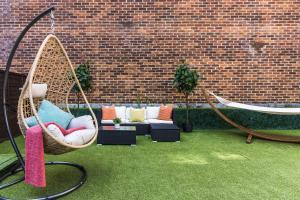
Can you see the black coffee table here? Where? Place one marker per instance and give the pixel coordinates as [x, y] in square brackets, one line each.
[112, 135]
[165, 133]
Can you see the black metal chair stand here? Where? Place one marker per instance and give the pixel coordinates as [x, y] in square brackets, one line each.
[80, 182]
[20, 167]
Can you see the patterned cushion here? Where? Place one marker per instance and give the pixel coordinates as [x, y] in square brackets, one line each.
[165, 112]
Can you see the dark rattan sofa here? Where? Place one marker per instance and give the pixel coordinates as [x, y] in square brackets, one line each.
[141, 128]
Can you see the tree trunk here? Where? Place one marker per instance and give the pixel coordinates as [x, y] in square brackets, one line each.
[78, 96]
[187, 108]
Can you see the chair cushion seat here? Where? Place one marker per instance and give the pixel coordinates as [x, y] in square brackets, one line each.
[82, 121]
[80, 137]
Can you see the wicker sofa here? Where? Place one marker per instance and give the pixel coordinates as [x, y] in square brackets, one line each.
[142, 128]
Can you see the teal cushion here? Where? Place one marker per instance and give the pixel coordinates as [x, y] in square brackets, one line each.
[31, 121]
[48, 112]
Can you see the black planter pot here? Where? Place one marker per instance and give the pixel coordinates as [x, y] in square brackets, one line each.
[187, 127]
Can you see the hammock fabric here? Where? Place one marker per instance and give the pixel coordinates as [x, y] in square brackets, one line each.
[53, 67]
[250, 132]
[268, 110]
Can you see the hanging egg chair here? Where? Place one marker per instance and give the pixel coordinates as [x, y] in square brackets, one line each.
[53, 68]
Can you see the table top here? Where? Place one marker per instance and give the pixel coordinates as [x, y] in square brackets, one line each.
[122, 128]
[164, 126]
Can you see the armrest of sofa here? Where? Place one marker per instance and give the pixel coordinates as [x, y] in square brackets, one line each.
[172, 115]
[99, 116]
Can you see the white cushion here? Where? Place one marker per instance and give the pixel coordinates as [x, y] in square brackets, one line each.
[56, 132]
[130, 122]
[128, 113]
[152, 112]
[37, 90]
[106, 121]
[85, 121]
[80, 137]
[157, 121]
[127, 116]
[121, 112]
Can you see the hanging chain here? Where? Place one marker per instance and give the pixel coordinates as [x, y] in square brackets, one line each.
[52, 19]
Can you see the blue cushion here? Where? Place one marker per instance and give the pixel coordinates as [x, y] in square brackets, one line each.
[49, 112]
[31, 121]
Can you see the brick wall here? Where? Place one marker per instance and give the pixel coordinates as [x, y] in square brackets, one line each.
[247, 51]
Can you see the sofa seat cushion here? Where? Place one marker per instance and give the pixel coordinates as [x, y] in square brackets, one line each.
[130, 122]
[103, 121]
[158, 121]
[106, 121]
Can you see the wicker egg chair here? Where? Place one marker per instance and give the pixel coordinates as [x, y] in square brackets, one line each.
[53, 67]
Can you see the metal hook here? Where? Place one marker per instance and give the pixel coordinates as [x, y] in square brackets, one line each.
[52, 19]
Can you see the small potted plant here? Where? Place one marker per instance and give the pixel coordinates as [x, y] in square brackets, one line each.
[117, 121]
[186, 81]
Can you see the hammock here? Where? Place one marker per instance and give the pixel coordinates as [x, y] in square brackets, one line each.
[263, 109]
[250, 132]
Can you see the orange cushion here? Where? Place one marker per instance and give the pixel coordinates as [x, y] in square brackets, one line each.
[165, 112]
[109, 113]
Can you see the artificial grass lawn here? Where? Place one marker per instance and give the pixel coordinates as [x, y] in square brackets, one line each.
[207, 164]
[6, 160]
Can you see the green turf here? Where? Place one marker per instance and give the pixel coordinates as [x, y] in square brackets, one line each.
[6, 160]
[205, 165]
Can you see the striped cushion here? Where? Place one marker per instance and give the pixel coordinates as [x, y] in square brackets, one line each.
[165, 112]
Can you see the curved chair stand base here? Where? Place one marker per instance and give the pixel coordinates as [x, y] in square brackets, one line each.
[250, 132]
[8, 174]
[81, 181]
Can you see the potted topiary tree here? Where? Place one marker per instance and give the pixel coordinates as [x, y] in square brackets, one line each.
[185, 81]
[85, 80]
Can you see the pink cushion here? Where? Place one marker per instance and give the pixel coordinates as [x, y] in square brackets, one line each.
[64, 131]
